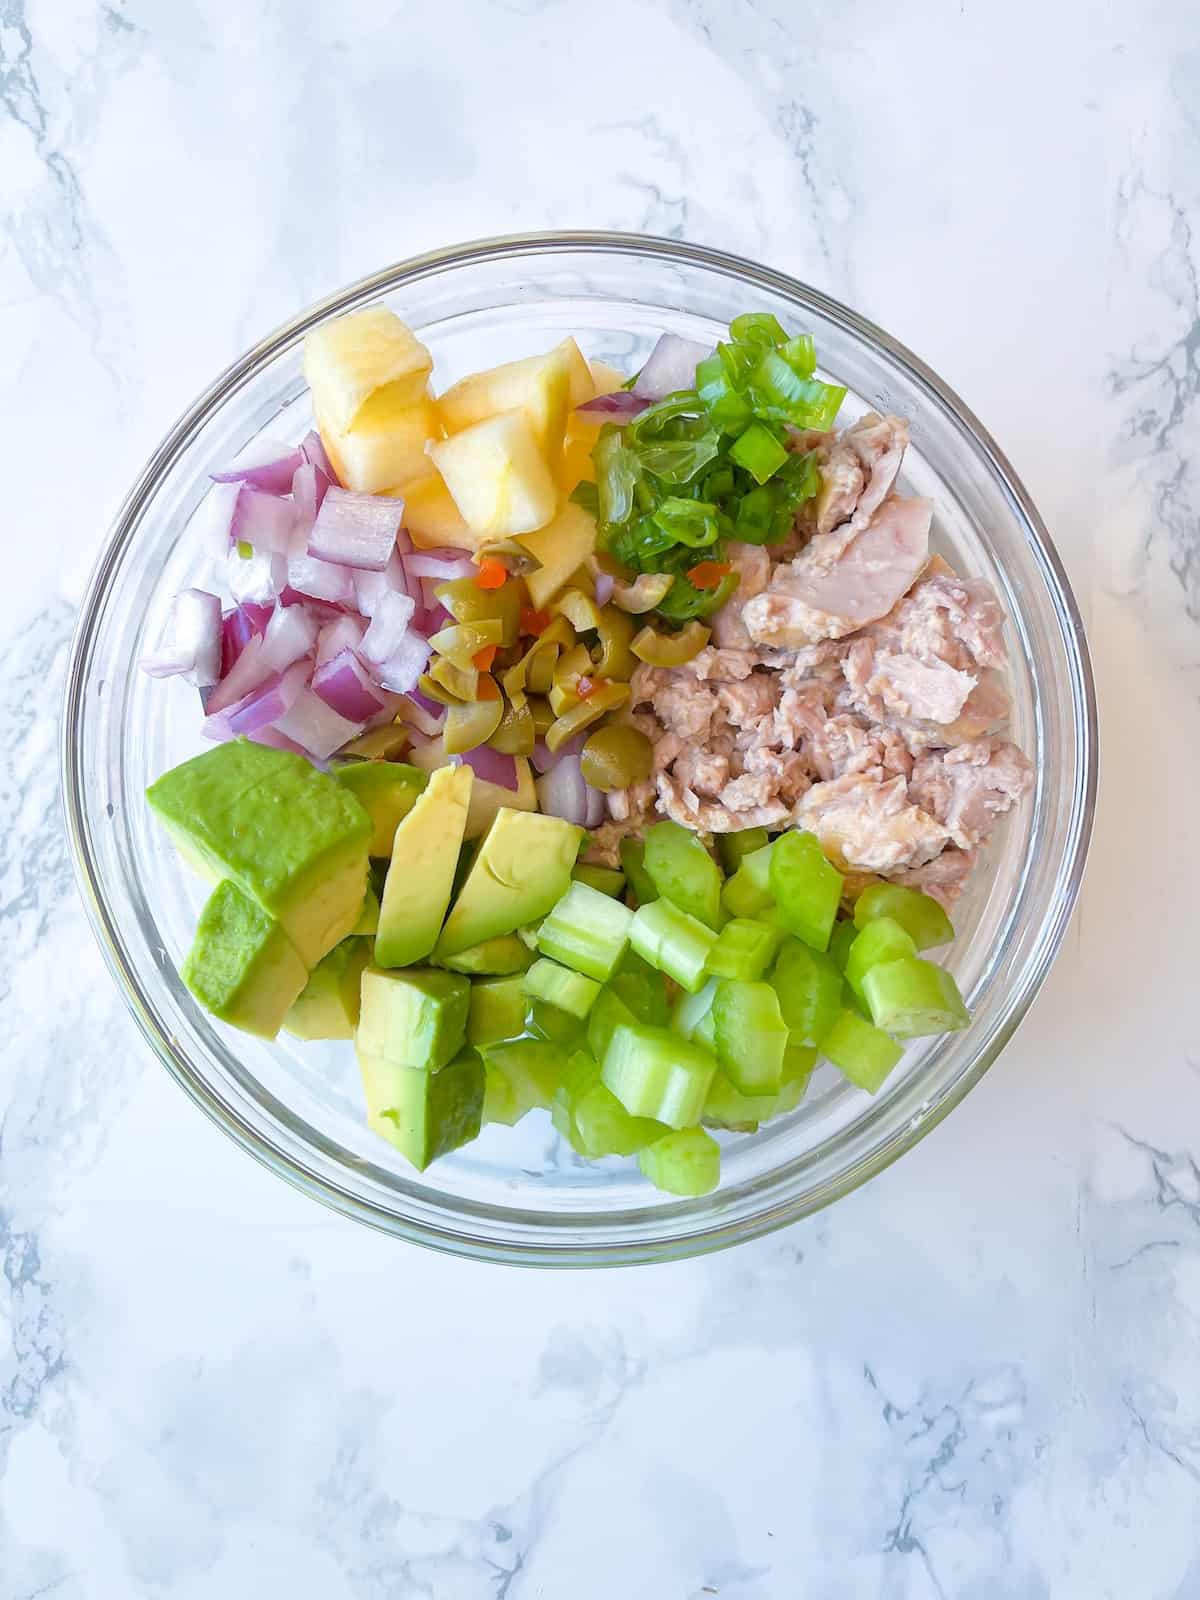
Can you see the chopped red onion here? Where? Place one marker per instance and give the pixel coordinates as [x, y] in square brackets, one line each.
[594, 815]
[422, 713]
[604, 584]
[213, 518]
[383, 638]
[191, 640]
[246, 674]
[308, 490]
[263, 520]
[344, 686]
[543, 759]
[257, 579]
[618, 407]
[671, 367]
[403, 668]
[291, 634]
[312, 448]
[262, 706]
[279, 741]
[264, 464]
[368, 586]
[492, 767]
[316, 726]
[343, 634]
[562, 792]
[321, 580]
[443, 565]
[355, 530]
[238, 627]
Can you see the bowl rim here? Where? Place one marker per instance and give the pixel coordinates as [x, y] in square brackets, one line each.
[716, 1234]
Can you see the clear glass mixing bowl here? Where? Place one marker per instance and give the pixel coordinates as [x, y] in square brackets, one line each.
[519, 1194]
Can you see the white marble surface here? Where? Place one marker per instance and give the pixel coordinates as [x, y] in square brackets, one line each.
[979, 1376]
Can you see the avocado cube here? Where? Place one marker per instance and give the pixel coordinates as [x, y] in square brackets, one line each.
[522, 869]
[494, 958]
[242, 966]
[421, 874]
[368, 917]
[424, 1114]
[387, 792]
[292, 838]
[416, 1018]
[329, 1004]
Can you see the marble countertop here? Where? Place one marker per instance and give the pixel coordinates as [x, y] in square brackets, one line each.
[976, 1377]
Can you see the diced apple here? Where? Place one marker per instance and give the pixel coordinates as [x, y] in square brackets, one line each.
[379, 454]
[562, 546]
[606, 379]
[581, 385]
[364, 366]
[431, 518]
[576, 464]
[538, 386]
[498, 476]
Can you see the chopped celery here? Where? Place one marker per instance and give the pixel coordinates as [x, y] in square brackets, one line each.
[733, 848]
[642, 988]
[655, 1073]
[705, 1031]
[559, 986]
[608, 1013]
[749, 890]
[880, 941]
[727, 1107]
[693, 1008]
[806, 886]
[633, 855]
[673, 942]
[912, 997]
[605, 1128]
[500, 1103]
[809, 987]
[587, 931]
[607, 880]
[498, 1010]
[864, 1053]
[920, 915]
[799, 1062]
[843, 936]
[744, 949]
[581, 1073]
[533, 1068]
[560, 1027]
[685, 1163]
[683, 872]
[751, 1035]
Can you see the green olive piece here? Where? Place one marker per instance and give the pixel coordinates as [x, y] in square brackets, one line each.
[607, 698]
[570, 667]
[467, 602]
[579, 609]
[644, 593]
[461, 684]
[617, 756]
[615, 659]
[516, 734]
[671, 649]
[380, 744]
[542, 713]
[433, 690]
[537, 664]
[461, 643]
[511, 553]
[468, 726]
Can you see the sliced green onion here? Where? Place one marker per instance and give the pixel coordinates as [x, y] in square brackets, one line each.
[759, 451]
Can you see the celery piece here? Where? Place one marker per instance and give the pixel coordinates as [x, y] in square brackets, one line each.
[751, 1035]
[865, 1054]
[500, 1103]
[587, 931]
[559, 986]
[685, 1163]
[498, 1010]
[880, 941]
[643, 989]
[672, 941]
[727, 1107]
[655, 1073]
[809, 986]
[748, 892]
[683, 872]
[744, 949]
[606, 880]
[581, 1073]
[842, 937]
[633, 858]
[604, 1127]
[806, 886]
[705, 1031]
[533, 1068]
[920, 915]
[693, 1008]
[733, 848]
[911, 997]
[608, 1013]
[551, 1022]
[799, 1063]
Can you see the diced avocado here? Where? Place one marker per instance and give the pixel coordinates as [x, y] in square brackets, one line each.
[424, 858]
[242, 966]
[424, 1114]
[523, 868]
[500, 1103]
[289, 836]
[329, 1005]
[499, 1007]
[368, 917]
[387, 792]
[606, 879]
[486, 798]
[559, 986]
[416, 1018]
[497, 957]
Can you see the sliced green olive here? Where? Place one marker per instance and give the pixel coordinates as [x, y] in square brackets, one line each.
[516, 734]
[467, 602]
[461, 643]
[468, 726]
[579, 609]
[433, 690]
[584, 712]
[671, 649]
[527, 674]
[572, 665]
[380, 744]
[462, 684]
[615, 659]
[616, 756]
[644, 593]
[542, 713]
[510, 553]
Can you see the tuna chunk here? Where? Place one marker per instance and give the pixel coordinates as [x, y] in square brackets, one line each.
[752, 563]
[846, 744]
[879, 443]
[892, 685]
[971, 787]
[686, 807]
[842, 480]
[869, 823]
[944, 877]
[835, 587]
[952, 619]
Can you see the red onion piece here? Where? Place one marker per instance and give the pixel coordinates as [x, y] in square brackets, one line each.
[238, 627]
[291, 634]
[368, 586]
[257, 579]
[562, 792]
[604, 584]
[312, 448]
[345, 688]
[308, 490]
[617, 407]
[402, 669]
[355, 530]
[422, 713]
[212, 519]
[594, 815]
[491, 766]
[345, 633]
[279, 741]
[389, 625]
[191, 641]
[263, 520]
[321, 580]
[264, 464]
[672, 366]
[262, 706]
[443, 565]
[543, 759]
[316, 726]
[246, 674]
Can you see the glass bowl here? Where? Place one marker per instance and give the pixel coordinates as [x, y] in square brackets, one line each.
[520, 1195]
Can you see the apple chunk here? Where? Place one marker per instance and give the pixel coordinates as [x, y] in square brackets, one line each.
[497, 476]
[364, 367]
[538, 386]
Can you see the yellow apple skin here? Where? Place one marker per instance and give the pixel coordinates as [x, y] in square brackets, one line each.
[363, 367]
[497, 476]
